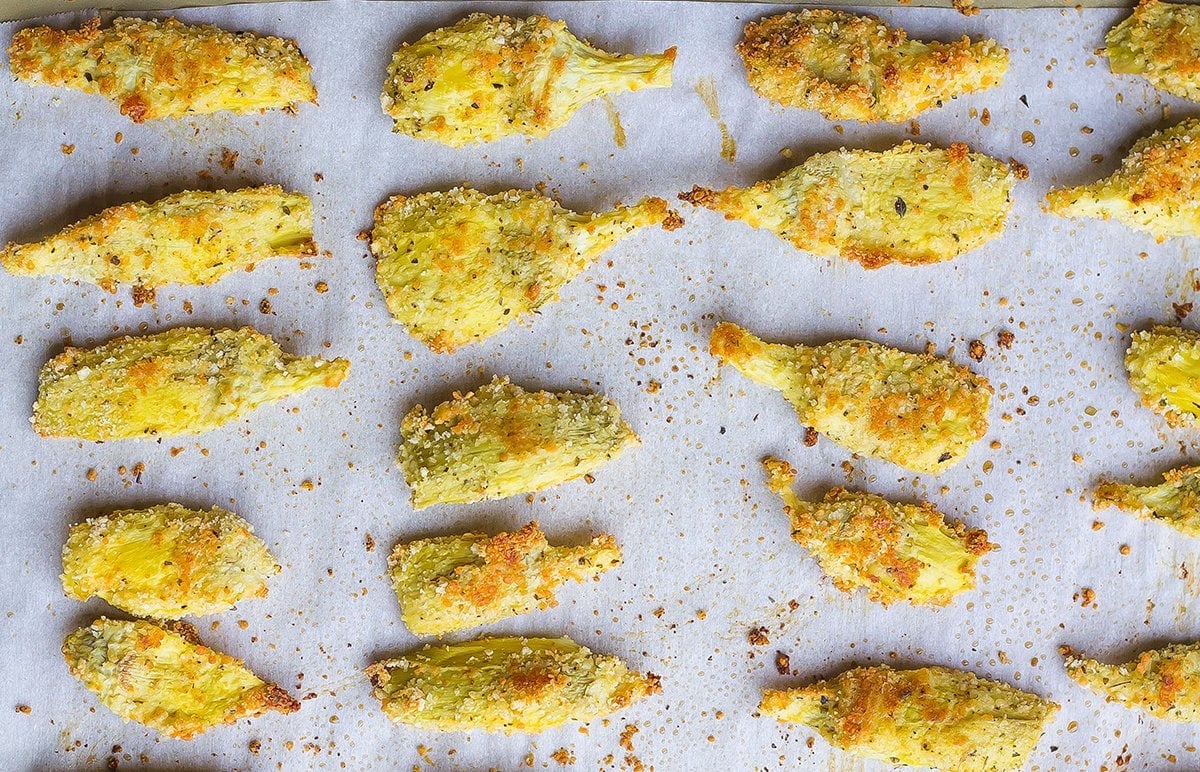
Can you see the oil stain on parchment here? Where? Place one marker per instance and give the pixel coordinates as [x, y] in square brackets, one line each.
[614, 118]
[706, 88]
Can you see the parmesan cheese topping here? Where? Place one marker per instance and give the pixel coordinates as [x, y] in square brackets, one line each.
[166, 69]
[489, 77]
[913, 204]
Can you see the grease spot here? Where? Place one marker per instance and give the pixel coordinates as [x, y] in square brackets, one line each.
[614, 118]
[706, 88]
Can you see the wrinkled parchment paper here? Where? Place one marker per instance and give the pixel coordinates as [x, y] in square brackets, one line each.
[707, 551]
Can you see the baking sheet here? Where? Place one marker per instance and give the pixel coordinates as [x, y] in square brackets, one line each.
[707, 553]
[24, 9]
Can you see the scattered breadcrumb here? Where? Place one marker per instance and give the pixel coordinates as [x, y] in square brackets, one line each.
[758, 636]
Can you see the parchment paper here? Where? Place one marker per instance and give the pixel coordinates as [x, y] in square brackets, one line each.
[24, 9]
[707, 550]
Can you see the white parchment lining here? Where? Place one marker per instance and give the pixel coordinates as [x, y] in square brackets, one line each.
[707, 553]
